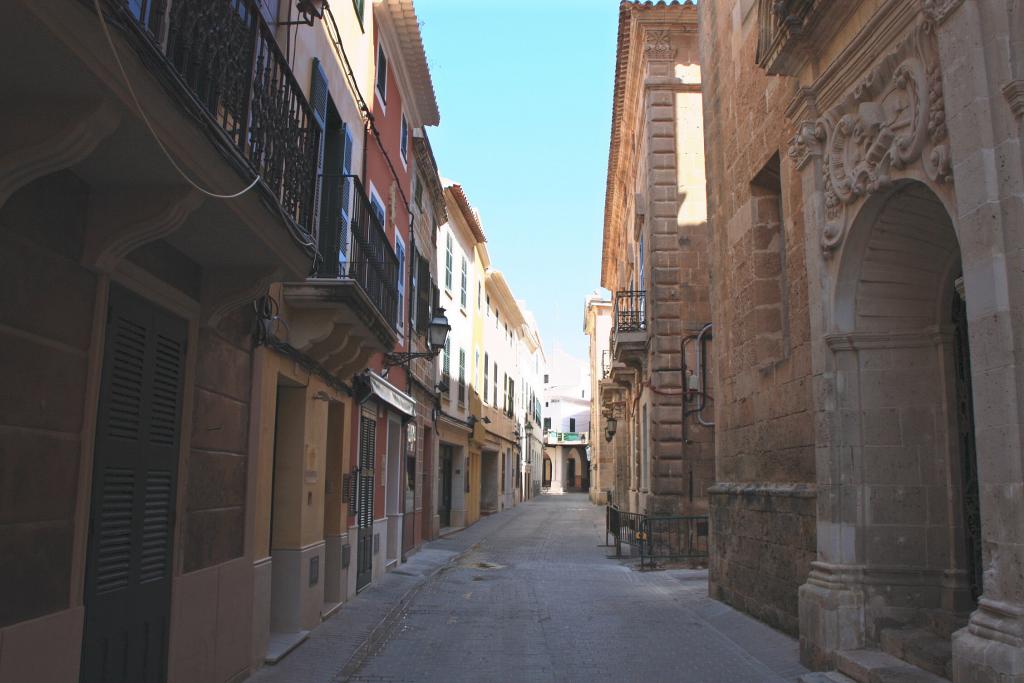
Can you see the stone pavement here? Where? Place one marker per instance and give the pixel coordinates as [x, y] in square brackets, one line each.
[529, 595]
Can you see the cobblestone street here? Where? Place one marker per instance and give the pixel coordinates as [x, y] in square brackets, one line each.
[530, 595]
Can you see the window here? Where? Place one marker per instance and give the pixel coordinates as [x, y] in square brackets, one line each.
[404, 145]
[400, 253]
[448, 263]
[487, 384]
[414, 293]
[462, 375]
[382, 74]
[377, 206]
[545, 379]
[640, 262]
[572, 424]
[479, 289]
[418, 192]
[488, 305]
[465, 281]
[495, 404]
[446, 360]
[547, 424]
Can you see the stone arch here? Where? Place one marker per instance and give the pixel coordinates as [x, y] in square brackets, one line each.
[896, 475]
[894, 233]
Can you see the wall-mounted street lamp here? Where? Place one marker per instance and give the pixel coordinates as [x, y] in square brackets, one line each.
[309, 11]
[437, 333]
[610, 426]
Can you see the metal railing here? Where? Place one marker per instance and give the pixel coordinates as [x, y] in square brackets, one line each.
[223, 53]
[680, 537]
[368, 258]
[630, 311]
[669, 537]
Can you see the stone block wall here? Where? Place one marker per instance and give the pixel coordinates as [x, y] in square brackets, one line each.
[214, 511]
[46, 319]
[763, 510]
[762, 544]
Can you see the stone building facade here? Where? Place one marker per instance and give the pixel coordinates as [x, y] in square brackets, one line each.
[597, 324]
[654, 261]
[866, 186]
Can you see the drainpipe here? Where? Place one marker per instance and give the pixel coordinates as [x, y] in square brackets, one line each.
[702, 366]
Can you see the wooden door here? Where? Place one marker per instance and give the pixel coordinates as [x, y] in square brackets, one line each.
[444, 510]
[134, 484]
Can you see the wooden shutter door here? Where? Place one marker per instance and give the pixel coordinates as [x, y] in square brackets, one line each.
[364, 491]
[135, 464]
[318, 99]
[346, 196]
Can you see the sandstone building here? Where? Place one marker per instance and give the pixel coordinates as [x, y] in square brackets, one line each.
[654, 261]
[866, 194]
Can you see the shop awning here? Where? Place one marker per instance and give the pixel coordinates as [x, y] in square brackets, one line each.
[390, 394]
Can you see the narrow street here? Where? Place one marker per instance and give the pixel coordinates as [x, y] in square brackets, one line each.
[530, 595]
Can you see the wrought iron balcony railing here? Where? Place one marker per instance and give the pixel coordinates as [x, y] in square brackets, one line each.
[630, 311]
[354, 245]
[224, 56]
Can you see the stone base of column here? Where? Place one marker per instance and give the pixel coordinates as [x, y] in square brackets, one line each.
[991, 646]
[831, 614]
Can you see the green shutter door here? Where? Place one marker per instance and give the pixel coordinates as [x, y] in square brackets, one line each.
[135, 464]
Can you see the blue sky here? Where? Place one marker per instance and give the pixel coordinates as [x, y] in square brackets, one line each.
[525, 93]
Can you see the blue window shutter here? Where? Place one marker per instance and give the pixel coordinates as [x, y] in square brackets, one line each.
[346, 188]
[318, 99]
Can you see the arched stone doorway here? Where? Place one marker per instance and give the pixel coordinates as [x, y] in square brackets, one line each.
[899, 517]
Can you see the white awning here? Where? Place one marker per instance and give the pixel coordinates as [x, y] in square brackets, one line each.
[392, 395]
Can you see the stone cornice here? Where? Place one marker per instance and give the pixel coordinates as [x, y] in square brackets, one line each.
[856, 341]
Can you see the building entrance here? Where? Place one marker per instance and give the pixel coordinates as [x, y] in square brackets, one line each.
[128, 574]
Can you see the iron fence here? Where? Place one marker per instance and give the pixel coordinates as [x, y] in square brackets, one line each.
[674, 538]
[657, 538]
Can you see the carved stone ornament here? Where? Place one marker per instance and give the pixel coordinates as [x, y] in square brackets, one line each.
[659, 45]
[938, 10]
[806, 144]
[893, 120]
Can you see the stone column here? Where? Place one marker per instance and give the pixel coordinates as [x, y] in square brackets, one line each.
[987, 171]
[831, 604]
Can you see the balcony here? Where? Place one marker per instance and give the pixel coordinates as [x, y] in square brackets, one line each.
[219, 108]
[225, 56]
[349, 309]
[628, 339]
[789, 29]
[554, 438]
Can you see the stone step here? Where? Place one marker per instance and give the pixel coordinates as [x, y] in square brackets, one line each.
[919, 647]
[825, 677]
[875, 666]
